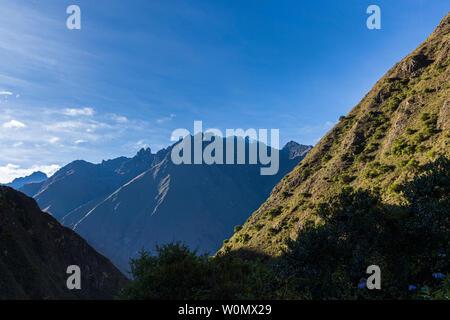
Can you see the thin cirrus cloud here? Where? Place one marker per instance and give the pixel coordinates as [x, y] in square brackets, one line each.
[164, 119]
[78, 112]
[5, 93]
[119, 119]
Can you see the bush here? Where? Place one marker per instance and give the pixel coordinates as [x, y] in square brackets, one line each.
[285, 194]
[375, 169]
[343, 178]
[401, 147]
[243, 238]
[371, 147]
[305, 194]
[410, 131]
[394, 102]
[272, 213]
[177, 273]
[395, 187]
[237, 229]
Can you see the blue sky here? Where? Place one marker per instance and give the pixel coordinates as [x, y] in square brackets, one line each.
[137, 70]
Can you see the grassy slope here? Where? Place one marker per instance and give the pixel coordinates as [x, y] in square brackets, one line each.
[402, 123]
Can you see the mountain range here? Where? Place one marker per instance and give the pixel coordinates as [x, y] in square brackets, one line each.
[123, 205]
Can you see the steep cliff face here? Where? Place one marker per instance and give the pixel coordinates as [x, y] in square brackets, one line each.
[35, 251]
[400, 125]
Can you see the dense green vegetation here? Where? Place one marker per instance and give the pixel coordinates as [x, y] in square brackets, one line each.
[176, 272]
[327, 260]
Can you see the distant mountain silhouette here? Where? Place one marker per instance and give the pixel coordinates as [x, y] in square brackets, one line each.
[37, 176]
[35, 251]
[123, 205]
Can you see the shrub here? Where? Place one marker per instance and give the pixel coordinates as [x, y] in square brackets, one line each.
[393, 103]
[177, 273]
[274, 211]
[425, 116]
[272, 231]
[431, 154]
[258, 226]
[243, 238]
[305, 194]
[428, 90]
[375, 169]
[237, 229]
[326, 157]
[420, 137]
[343, 178]
[378, 135]
[412, 165]
[410, 131]
[371, 147]
[285, 194]
[395, 187]
[401, 147]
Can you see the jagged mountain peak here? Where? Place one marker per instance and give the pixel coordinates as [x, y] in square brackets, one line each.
[295, 149]
[144, 152]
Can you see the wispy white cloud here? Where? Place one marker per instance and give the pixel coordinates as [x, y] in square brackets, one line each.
[5, 93]
[14, 124]
[78, 112]
[117, 118]
[164, 119]
[314, 129]
[53, 140]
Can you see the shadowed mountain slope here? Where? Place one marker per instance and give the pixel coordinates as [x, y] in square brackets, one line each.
[35, 251]
[402, 124]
